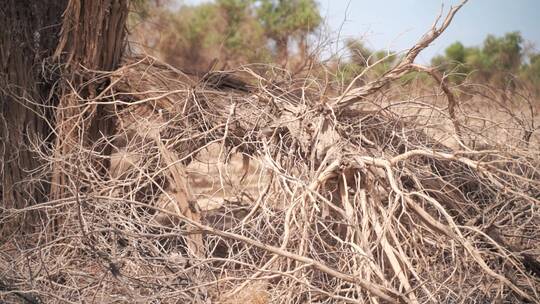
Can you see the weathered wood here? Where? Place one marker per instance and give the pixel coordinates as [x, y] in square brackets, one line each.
[92, 39]
[28, 36]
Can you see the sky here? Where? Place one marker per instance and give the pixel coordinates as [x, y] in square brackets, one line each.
[395, 25]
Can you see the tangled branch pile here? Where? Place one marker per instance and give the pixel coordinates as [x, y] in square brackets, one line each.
[356, 200]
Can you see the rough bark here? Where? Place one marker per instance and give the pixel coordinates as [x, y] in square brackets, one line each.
[48, 49]
[29, 35]
[92, 39]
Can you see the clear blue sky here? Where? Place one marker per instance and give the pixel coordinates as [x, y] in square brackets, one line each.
[396, 24]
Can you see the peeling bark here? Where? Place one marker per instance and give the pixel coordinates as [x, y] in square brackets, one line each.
[92, 39]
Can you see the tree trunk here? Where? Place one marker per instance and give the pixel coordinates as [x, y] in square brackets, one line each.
[282, 48]
[92, 39]
[81, 36]
[29, 35]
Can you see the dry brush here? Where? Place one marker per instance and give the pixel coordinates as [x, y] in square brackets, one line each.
[357, 200]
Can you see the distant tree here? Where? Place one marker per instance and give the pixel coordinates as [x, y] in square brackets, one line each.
[286, 20]
[505, 58]
[233, 31]
[456, 52]
[385, 61]
[530, 72]
[479, 63]
[243, 35]
[190, 37]
[362, 57]
[505, 52]
[453, 63]
[498, 60]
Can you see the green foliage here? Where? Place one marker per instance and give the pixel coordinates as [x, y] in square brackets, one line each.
[347, 71]
[361, 57]
[283, 18]
[226, 30]
[456, 52]
[287, 20]
[530, 72]
[480, 63]
[197, 24]
[360, 54]
[236, 14]
[385, 61]
[454, 62]
[233, 31]
[142, 10]
[245, 31]
[505, 52]
[414, 77]
[497, 61]
[188, 31]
